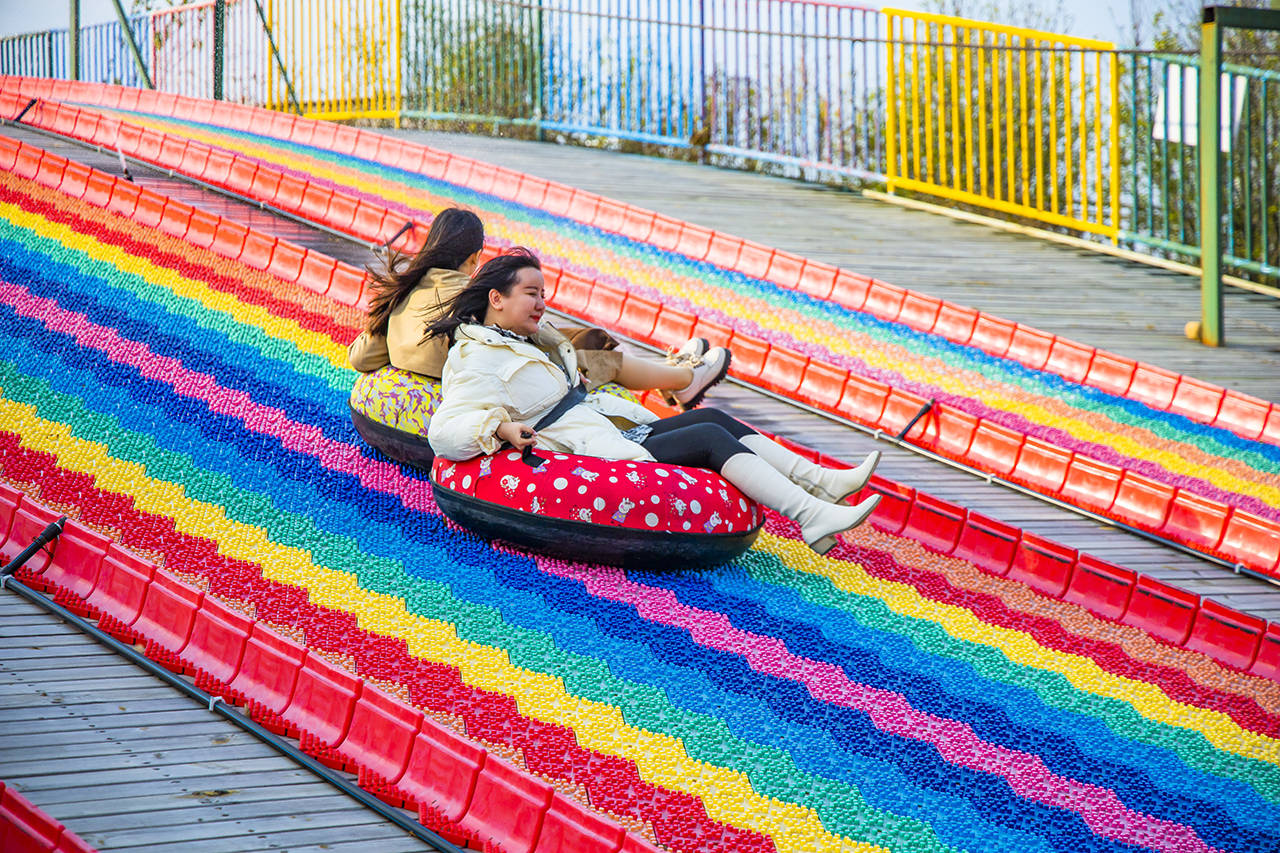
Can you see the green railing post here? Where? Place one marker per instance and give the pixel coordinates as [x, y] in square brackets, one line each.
[541, 84]
[1209, 142]
[219, 45]
[73, 41]
[133, 44]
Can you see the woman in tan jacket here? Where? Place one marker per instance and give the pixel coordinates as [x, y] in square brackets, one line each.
[408, 298]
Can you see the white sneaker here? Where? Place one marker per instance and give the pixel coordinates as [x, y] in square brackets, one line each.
[694, 348]
[708, 369]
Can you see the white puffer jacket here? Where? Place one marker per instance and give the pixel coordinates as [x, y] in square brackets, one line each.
[489, 378]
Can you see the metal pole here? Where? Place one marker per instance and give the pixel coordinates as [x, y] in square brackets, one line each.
[219, 45]
[73, 42]
[275, 52]
[1209, 143]
[133, 44]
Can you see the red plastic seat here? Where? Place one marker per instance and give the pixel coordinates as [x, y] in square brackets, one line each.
[77, 556]
[639, 317]
[314, 204]
[884, 300]
[75, 179]
[268, 671]
[786, 269]
[323, 702]
[435, 164]
[673, 327]
[1251, 541]
[1091, 484]
[935, 523]
[149, 209]
[1197, 400]
[1142, 502]
[29, 519]
[994, 448]
[194, 160]
[26, 162]
[98, 187]
[992, 335]
[753, 259]
[265, 183]
[241, 175]
[723, 250]
[955, 322]
[987, 543]
[24, 828]
[167, 613]
[899, 408]
[948, 431]
[569, 828]
[717, 334]
[1271, 429]
[919, 311]
[1030, 346]
[1161, 610]
[124, 198]
[863, 400]
[507, 808]
[1196, 521]
[217, 167]
[1153, 385]
[1069, 359]
[289, 193]
[1242, 414]
[381, 734]
[749, 356]
[441, 772]
[170, 153]
[228, 240]
[370, 222]
[895, 503]
[1228, 635]
[1042, 564]
[665, 232]
[610, 215]
[637, 223]
[1267, 662]
[573, 294]
[317, 272]
[121, 589]
[557, 199]
[218, 639]
[488, 178]
[347, 284]
[286, 261]
[583, 207]
[530, 191]
[1101, 587]
[175, 218]
[50, 170]
[783, 370]
[10, 498]
[607, 304]
[823, 385]
[258, 250]
[850, 290]
[1111, 373]
[1042, 465]
[816, 279]
[202, 228]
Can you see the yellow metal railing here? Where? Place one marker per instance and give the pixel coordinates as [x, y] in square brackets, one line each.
[1013, 120]
[342, 57]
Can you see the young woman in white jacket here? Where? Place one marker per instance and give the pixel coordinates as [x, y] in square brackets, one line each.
[502, 374]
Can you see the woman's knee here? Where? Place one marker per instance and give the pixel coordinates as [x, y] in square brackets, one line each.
[720, 418]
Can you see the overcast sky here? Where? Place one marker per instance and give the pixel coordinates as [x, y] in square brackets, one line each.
[1091, 18]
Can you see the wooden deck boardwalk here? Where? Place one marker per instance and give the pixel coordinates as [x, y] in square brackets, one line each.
[129, 763]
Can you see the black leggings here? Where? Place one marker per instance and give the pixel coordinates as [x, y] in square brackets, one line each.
[701, 438]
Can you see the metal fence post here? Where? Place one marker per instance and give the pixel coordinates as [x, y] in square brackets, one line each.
[126, 30]
[1209, 141]
[219, 46]
[73, 41]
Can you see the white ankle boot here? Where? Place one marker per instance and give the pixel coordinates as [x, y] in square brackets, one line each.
[830, 484]
[819, 521]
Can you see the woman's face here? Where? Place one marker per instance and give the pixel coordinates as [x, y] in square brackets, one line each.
[521, 310]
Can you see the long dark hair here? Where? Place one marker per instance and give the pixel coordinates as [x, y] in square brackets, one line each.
[455, 235]
[471, 303]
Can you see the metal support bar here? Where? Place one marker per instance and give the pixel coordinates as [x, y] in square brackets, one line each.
[404, 229]
[50, 533]
[219, 707]
[219, 45]
[924, 410]
[73, 41]
[275, 52]
[133, 44]
[1209, 142]
[18, 118]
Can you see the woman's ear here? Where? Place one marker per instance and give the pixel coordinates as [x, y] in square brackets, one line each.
[495, 299]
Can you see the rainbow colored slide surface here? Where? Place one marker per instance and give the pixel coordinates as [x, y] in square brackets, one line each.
[881, 698]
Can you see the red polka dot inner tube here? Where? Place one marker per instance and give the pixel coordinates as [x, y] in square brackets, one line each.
[633, 514]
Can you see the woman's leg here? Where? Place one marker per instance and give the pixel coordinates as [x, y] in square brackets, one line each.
[640, 374]
[832, 485]
[709, 445]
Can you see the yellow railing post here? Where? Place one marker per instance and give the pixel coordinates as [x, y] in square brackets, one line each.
[1079, 159]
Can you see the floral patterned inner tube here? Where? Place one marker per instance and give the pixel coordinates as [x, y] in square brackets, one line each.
[391, 409]
[632, 514]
